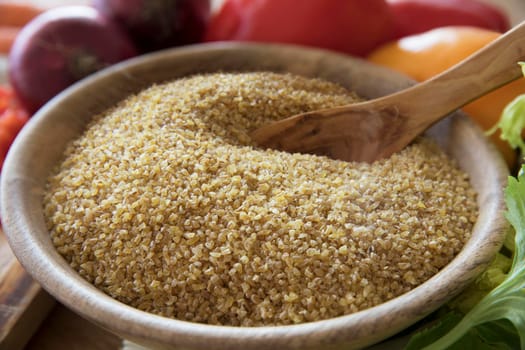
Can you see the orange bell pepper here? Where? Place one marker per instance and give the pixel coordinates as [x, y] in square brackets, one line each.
[425, 55]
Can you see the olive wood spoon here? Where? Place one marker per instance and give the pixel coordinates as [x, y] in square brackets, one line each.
[375, 129]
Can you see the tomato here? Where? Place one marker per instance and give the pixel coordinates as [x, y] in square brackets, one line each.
[424, 55]
[12, 118]
[6, 97]
[349, 26]
[418, 16]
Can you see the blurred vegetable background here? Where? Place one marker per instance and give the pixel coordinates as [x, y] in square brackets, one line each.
[46, 50]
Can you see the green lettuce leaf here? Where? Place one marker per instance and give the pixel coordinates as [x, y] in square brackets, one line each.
[512, 121]
[493, 276]
[482, 337]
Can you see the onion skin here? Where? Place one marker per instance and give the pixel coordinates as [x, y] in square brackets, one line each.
[60, 47]
[158, 24]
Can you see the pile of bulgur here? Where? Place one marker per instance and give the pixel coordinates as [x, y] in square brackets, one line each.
[166, 205]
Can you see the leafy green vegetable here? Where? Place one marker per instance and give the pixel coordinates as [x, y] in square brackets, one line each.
[494, 275]
[512, 121]
[498, 320]
[500, 334]
[484, 337]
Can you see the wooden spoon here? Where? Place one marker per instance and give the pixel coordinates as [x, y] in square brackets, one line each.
[377, 128]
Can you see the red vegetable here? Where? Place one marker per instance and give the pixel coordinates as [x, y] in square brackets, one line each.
[158, 24]
[418, 16]
[6, 96]
[61, 46]
[12, 118]
[350, 26]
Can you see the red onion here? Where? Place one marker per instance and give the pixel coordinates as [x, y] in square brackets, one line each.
[60, 47]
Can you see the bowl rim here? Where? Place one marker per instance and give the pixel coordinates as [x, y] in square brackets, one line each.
[140, 325]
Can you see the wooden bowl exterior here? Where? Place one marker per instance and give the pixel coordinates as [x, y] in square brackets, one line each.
[41, 144]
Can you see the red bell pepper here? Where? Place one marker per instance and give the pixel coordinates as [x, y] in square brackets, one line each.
[418, 16]
[349, 26]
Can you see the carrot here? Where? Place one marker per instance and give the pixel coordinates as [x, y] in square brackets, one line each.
[7, 36]
[17, 15]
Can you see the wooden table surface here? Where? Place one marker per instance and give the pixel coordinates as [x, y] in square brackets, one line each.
[63, 329]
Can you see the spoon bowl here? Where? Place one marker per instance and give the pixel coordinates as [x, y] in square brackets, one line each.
[378, 128]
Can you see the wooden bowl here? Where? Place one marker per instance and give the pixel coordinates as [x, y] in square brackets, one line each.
[42, 142]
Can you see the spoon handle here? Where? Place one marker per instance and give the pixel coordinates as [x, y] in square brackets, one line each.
[377, 128]
[491, 67]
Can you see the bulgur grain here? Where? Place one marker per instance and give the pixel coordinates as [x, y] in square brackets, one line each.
[165, 205]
